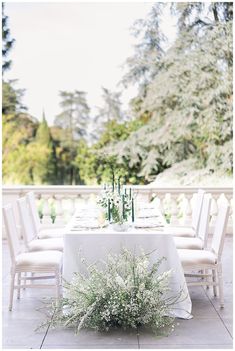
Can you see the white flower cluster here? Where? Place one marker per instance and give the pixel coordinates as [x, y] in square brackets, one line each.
[126, 292]
[116, 200]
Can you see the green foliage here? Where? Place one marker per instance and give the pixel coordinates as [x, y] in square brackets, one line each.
[142, 66]
[74, 121]
[119, 208]
[17, 166]
[111, 108]
[44, 171]
[182, 114]
[11, 98]
[95, 163]
[189, 99]
[7, 41]
[74, 115]
[128, 292]
[27, 156]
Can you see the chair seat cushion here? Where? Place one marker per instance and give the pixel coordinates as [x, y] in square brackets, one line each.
[46, 244]
[41, 259]
[51, 233]
[181, 231]
[188, 243]
[193, 258]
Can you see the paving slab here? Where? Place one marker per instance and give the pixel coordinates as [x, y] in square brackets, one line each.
[211, 326]
[21, 334]
[94, 347]
[90, 338]
[201, 307]
[187, 347]
[191, 332]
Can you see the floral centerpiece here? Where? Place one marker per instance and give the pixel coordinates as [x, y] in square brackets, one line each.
[118, 203]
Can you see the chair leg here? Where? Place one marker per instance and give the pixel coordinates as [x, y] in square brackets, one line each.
[25, 280]
[57, 281]
[12, 289]
[214, 281]
[220, 283]
[18, 283]
[206, 272]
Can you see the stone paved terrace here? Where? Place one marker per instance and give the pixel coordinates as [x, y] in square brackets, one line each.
[211, 328]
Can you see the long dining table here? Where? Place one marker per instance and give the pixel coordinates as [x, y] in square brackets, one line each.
[86, 240]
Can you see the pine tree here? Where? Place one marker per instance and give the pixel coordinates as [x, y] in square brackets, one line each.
[7, 41]
[188, 98]
[143, 65]
[44, 170]
[74, 120]
[108, 112]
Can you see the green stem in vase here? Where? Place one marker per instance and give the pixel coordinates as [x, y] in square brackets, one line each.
[123, 207]
[119, 186]
[109, 213]
[113, 180]
[130, 193]
[132, 210]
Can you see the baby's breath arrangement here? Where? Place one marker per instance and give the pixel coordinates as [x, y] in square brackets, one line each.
[125, 292]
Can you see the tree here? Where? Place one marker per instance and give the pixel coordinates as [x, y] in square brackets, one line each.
[199, 15]
[111, 110]
[95, 162]
[188, 99]
[18, 131]
[7, 41]
[11, 98]
[44, 170]
[74, 120]
[75, 113]
[143, 65]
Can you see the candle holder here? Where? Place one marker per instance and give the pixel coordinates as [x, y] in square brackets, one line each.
[118, 204]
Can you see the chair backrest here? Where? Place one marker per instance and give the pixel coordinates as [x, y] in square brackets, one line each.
[33, 211]
[204, 219]
[196, 213]
[26, 221]
[220, 230]
[11, 231]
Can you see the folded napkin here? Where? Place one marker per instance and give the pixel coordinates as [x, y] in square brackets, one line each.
[90, 223]
[141, 223]
[147, 215]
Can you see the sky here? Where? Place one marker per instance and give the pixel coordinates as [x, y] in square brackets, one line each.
[68, 46]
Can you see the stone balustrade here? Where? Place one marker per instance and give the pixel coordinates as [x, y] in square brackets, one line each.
[56, 204]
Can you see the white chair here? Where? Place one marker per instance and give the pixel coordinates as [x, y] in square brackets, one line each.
[47, 262]
[190, 231]
[208, 260]
[41, 233]
[31, 241]
[199, 242]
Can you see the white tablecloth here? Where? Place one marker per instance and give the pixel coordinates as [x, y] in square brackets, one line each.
[94, 246]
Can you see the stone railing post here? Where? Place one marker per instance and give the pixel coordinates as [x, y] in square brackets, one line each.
[174, 210]
[187, 210]
[46, 211]
[78, 195]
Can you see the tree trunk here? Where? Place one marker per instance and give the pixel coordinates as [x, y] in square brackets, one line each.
[215, 12]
